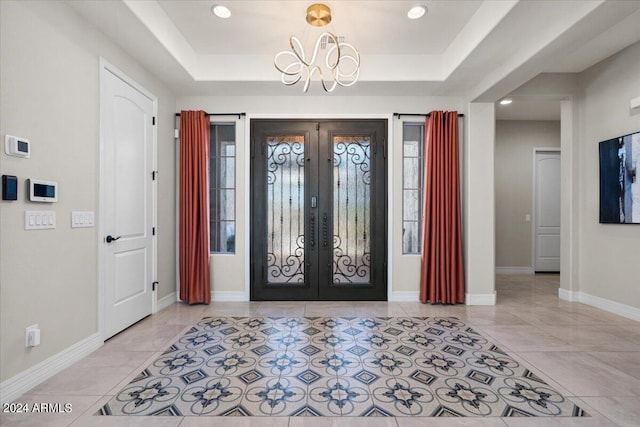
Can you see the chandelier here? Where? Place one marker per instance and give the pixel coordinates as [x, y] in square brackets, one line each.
[339, 67]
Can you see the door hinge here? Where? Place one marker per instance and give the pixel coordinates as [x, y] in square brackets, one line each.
[153, 175]
[153, 121]
[317, 126]
[153, 231]
[153, 286]
[384, 147]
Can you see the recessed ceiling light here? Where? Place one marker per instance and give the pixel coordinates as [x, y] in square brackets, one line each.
[506, 101]
[221, 11]
[417, 12]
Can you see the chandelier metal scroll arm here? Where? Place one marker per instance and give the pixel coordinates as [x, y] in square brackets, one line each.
[339, 55]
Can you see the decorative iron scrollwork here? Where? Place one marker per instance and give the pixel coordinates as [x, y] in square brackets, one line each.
[352, 209]
[285, 209]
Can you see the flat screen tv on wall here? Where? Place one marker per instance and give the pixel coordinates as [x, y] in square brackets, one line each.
[619, 183]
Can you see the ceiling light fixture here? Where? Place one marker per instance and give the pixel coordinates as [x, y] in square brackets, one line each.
[417, 12]
[221, 11]
[341, 63]
[506, 101]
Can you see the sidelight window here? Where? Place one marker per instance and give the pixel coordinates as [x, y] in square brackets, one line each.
[412, 186]
[222, 188]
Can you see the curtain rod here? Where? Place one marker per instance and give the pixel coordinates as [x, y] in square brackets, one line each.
[394, 114]
[417, 114]
[221, 114]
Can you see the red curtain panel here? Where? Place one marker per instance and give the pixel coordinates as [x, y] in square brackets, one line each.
[194, 207]
[442, 272]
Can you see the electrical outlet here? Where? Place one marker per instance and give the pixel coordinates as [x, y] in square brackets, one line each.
[32, 336]
[527, 217]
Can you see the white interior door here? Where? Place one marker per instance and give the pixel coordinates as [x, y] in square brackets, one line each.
[128, 205]
[547, 211]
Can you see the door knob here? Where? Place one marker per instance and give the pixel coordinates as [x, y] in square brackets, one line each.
[110, 238]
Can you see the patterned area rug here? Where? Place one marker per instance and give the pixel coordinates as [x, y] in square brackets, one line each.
[338, 366]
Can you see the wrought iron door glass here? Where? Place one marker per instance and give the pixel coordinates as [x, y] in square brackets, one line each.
[318, 210]
[285, 209]
[351, 210]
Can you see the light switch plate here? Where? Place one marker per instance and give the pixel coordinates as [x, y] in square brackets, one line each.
[82, 219]
[39, 220]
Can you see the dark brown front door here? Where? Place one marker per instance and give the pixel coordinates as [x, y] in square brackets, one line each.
[318, 210]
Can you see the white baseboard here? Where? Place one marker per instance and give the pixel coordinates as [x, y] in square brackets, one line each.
[571, 296]
[470, 299]
[480, 299]
[614, 307]
[17, 385]
[412, 296]
[514, 270]
[166, 301]
[229, 296]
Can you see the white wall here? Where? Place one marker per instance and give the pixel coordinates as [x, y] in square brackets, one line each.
[515, 141]
[49, 93]
[609, 254]
[480, 204]
[569, 205]
[404, 269]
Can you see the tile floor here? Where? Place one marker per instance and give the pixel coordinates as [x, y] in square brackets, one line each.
[588, 355]
[337, 366]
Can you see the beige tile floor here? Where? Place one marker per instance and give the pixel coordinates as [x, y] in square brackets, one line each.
[590, 356]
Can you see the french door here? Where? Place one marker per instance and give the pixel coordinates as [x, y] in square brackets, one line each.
[318, 210]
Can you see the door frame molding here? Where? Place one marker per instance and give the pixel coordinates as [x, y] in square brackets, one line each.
[534, 204]
[106, 67]
[247, 198]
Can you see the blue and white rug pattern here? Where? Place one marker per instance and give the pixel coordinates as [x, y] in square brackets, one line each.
[337, 366]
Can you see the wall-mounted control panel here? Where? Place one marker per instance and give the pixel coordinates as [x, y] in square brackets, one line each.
[42, 191]
[9, 187]
[17, 147]
[39, 220]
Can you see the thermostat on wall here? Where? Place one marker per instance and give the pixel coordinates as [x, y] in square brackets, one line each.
[16, 146]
